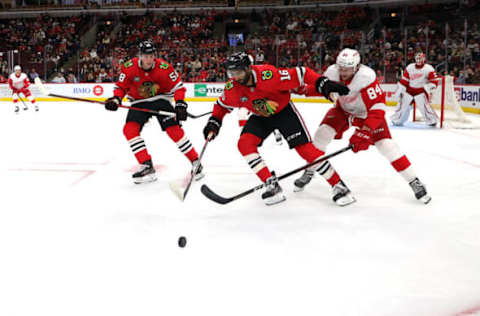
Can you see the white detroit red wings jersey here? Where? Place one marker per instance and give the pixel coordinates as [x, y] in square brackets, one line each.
[365, 92]
[19, 83]
[415, 78]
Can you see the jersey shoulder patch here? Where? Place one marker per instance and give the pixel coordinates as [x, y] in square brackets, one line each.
[229, 85]
[128, 64]
[163, 65]
[267, 74]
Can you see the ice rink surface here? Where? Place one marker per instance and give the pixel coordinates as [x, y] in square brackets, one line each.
[78, 238]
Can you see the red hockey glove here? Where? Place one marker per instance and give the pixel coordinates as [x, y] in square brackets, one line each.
[361, 139]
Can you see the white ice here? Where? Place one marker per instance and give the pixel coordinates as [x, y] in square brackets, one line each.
[78, 238]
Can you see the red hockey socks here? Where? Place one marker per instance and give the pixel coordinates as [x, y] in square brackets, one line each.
[131, 130]
[248, 147]
[177, 134]
[311, 153]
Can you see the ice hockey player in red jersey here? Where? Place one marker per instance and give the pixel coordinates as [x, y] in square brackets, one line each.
[363, 107]
[265, 91]
[19, 83]
[151, 83]
[417, 84]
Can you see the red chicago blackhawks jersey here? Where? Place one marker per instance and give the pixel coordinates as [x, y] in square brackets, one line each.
[269, 94]
[162, 80]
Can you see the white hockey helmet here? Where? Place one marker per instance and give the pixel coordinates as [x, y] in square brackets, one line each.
[348, 58]
[17, 67]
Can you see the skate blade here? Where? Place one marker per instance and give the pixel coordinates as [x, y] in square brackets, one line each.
[145, 179]
[274, 200]
[346, 200]
[425, 199]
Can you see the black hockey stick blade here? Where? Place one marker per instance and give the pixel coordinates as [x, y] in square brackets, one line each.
[222, 200]
[214, 196]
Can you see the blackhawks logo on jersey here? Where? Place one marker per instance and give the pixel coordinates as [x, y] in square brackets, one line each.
[148, 89]
[265, 107]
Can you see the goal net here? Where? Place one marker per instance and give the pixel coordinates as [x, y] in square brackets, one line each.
[444, 101]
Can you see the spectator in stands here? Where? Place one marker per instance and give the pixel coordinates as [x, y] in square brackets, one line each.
[59, 78]
[33, 74]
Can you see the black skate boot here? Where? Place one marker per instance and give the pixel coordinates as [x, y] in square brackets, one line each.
[17, 109]
[305, 179]
[420, 191]
[196, 165]
[273, 192]
[145, 174]
[341, 194]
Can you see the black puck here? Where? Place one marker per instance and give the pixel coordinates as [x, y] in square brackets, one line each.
[182, 242]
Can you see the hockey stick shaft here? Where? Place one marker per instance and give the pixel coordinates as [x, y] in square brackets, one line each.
[42, 88]
[222, 200]
[194, 170]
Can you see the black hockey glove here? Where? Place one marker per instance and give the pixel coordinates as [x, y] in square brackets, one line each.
[212, 127]
[326, 86]
[112, 103]
[181, 110]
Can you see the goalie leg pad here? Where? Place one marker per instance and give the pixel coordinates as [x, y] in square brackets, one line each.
[402, 112]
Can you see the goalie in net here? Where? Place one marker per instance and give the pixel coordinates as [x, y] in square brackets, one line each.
[433, 96]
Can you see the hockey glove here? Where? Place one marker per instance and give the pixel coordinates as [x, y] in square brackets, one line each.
[112, 103]
[212, 127]
[429, 88]
[361, 139]
[326, 86]
[181, 110]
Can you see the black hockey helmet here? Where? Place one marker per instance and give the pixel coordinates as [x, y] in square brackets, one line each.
[146, 47]
[240, 61]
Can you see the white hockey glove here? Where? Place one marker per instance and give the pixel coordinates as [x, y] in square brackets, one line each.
[429, 87]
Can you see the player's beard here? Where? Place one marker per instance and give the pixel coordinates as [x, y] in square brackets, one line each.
[246, 79]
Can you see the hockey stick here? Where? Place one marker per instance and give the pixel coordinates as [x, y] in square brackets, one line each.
[222, 200]
[176, 188]
[45, 92]
[25, 107]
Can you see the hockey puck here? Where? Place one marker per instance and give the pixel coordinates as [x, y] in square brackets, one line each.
[182, 241]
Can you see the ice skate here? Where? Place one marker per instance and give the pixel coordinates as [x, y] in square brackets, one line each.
[305, 179]
[36, 108]
[145, 174]
[25, 108]
[341, 194]
[420, 191]
[273, 192]
[17, 109]
[198, 174]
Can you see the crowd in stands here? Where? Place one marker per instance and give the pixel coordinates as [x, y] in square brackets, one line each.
[285, 38]
[41, 43]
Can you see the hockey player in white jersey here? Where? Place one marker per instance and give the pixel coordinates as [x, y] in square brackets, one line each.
[363, 107]
[19, 83]
[417, 84]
